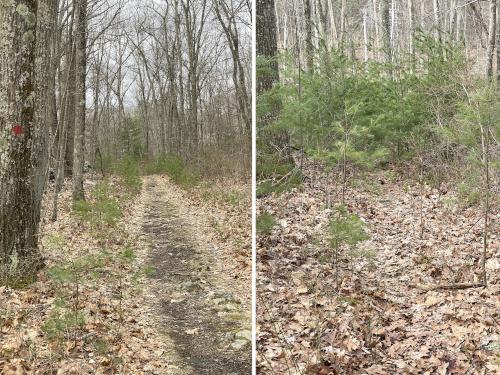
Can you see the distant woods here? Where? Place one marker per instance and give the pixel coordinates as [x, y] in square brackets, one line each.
[386, 30]
[86, 84]
[171, 78]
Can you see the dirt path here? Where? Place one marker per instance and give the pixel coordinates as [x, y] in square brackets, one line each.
[207, 324]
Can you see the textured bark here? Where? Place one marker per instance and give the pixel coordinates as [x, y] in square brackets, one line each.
[266, 45]
[23, 131]
[70, 108]
[386, 26]
[81, 70]
[411, 19]
[309, 33]
[498, 45]
[492, 37]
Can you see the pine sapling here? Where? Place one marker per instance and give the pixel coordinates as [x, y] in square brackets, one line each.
[345, 230]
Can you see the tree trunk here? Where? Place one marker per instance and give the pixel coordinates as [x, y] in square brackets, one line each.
[376, 43]
[492, 37]
[266, 45]
[498, 45]
[309, 42]
[70, 109]
[19, 169]
[342, 25]
[228, 23]
[365, 35]
[96, 115]
[437, 20]
[81, 70]
[411, 19]
[387, 30]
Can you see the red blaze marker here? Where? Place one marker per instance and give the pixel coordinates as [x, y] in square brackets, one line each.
[17, 130]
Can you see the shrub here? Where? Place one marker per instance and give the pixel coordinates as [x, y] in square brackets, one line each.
[128, 254]
[175, 168]
[265, 223]
[61, 322]
[129, 171]
[103, 209]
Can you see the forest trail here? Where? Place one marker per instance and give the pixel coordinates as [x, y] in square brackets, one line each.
[196, 309]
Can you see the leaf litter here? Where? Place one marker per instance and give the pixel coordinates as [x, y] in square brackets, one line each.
[118, 330]
[381, 320]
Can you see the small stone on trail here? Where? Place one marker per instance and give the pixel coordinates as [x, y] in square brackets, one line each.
[244, 334]
[239, 344]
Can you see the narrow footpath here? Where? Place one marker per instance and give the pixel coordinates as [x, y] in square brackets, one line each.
[204, 320]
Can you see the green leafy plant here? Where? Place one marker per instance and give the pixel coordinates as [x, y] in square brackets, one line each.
[128, 254]
[129, 171]
[102, 209]
[61, 323]
[233, 197]
[265, 223]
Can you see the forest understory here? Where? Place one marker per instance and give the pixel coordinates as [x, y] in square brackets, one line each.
[94, 308]
[404, 304]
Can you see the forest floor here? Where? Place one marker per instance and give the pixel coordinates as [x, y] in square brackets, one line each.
[109, 300]
[384, 318]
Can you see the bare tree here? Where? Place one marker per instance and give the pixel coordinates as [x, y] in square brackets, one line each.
[228, 19]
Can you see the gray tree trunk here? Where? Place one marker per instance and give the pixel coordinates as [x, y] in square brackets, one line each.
[309, 33]
[81, 71]
[492, 37]
[267, 46]
[23, 130]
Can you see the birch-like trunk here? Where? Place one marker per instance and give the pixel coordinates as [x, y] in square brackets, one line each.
[376, 21]
[437, 19]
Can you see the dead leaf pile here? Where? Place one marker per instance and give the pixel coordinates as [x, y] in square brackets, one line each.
[380, 320]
